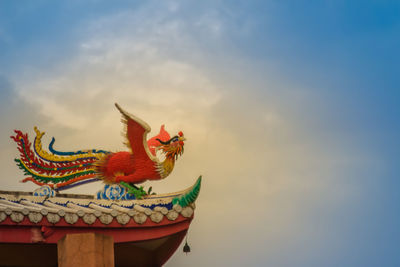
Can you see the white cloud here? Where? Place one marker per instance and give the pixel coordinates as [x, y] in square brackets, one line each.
[137, 69]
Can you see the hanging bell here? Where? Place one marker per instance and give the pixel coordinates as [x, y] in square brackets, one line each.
[186, 248]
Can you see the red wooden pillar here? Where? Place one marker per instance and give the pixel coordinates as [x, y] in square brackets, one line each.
[88, 249]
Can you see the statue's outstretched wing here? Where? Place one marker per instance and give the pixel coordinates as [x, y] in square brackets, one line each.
[136, 133]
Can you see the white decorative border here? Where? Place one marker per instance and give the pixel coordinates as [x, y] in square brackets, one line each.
[138, 214]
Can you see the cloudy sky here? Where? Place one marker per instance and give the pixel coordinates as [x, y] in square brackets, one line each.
[291, 111]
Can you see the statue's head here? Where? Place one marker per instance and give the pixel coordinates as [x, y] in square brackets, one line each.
[174, 146]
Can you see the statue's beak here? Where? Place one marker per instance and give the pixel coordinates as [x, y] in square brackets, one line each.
[182, 138]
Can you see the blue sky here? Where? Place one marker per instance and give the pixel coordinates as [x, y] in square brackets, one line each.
[290, 109]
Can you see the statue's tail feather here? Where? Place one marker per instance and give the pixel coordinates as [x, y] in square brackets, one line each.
[54, 169]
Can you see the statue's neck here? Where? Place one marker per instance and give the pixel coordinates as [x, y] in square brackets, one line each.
[167, 166]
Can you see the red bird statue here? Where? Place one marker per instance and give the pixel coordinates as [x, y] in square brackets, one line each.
[62, 170]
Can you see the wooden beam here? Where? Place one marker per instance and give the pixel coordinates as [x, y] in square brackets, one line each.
[87, 249]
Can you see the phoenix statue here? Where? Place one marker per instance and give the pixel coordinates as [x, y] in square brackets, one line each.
[62, 170]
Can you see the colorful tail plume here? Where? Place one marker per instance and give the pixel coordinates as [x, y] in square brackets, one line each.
[56, 169]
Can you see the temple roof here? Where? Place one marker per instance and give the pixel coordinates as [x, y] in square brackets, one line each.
[148, 230]
[70, 209]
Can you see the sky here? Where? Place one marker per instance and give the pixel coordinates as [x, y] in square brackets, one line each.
[290, 110]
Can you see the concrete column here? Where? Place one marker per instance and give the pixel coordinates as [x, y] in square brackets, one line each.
[88, 249]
